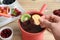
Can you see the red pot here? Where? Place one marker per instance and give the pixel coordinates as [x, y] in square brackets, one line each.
[31, 36]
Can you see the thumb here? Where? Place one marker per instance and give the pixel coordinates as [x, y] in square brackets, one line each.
[45, 23]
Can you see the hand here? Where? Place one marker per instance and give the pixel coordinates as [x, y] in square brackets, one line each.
[52, 22]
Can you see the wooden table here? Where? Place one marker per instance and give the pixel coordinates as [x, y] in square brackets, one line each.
[34, 5]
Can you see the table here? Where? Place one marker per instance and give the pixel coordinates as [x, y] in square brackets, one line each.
[36, 5]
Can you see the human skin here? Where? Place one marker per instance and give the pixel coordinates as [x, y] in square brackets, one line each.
[52, 22]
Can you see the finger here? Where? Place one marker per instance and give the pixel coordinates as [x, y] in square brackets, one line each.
[52, 18]
[42, 25]
[43, 16]
[45, 22]
[46, 17]
[55, 18]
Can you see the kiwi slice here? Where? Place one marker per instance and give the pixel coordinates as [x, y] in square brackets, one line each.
[13, 12]
[25, 17]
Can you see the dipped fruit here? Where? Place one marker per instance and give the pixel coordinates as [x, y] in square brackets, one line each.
[25, 17]
[4, 10]
[36, 18]
[15, 12]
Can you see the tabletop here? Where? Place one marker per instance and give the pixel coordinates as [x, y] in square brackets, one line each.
[34, 5]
